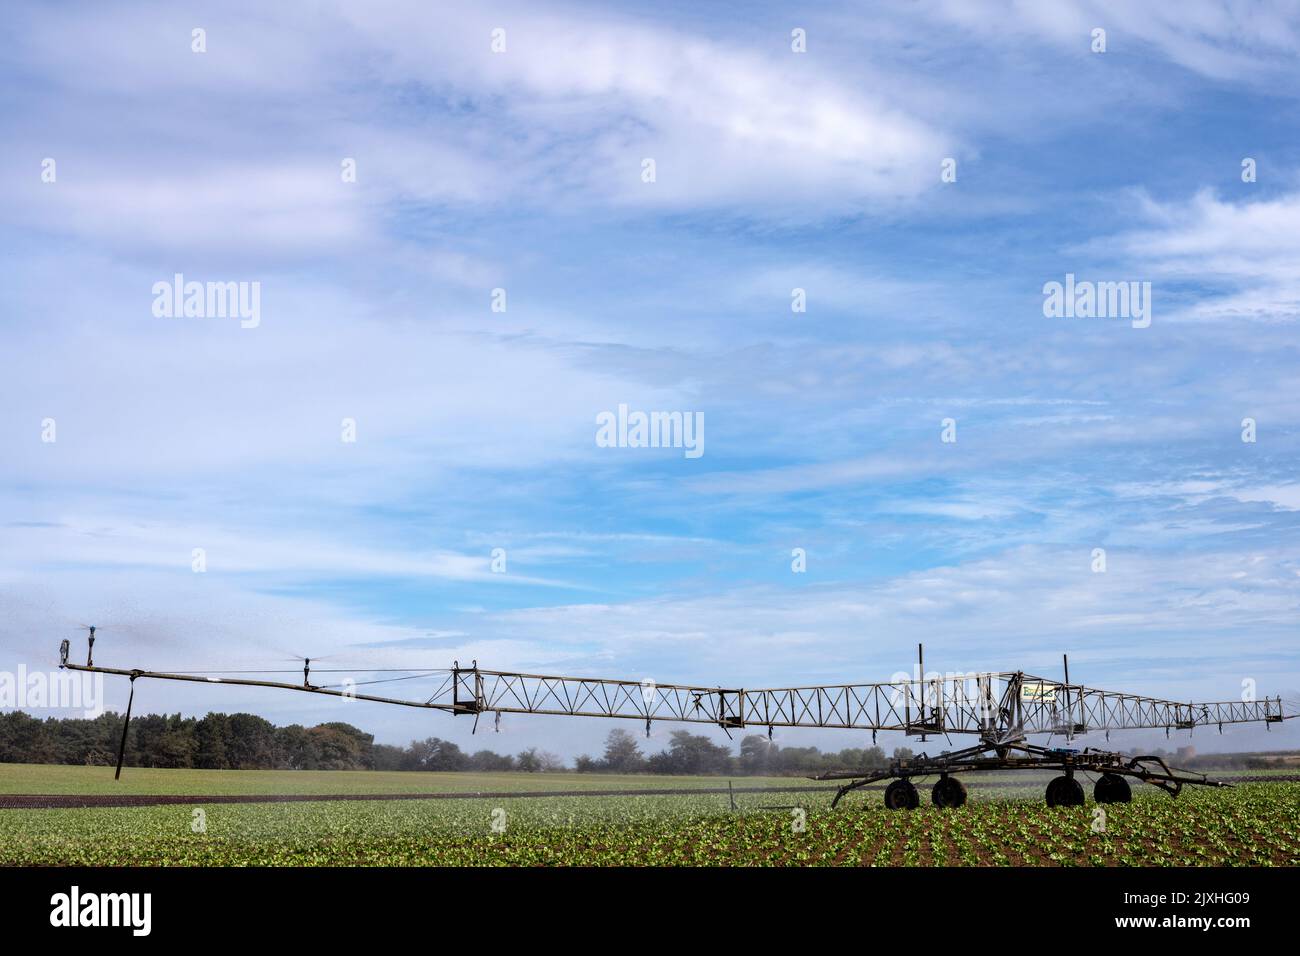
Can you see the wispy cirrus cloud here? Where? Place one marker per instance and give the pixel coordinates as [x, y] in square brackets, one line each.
[1212, 38]
[1242, 253]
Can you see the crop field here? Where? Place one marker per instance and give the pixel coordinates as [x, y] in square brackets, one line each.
[1005, 823]
[50, 778]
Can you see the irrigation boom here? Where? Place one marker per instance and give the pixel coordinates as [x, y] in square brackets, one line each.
[1002, 709]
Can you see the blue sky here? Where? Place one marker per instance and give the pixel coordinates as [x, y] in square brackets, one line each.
[775, 170]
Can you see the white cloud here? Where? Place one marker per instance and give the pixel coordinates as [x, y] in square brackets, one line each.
[1240, 255]
[723, 123]
[108, 541]
[1286, 497]
[1022, 608]
[1217, 39]
[205, 398]
[236, 205]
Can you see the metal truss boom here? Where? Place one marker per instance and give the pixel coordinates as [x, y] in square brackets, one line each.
[983, 704]
[997, 706]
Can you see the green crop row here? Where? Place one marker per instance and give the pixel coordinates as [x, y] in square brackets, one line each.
[1252, 825]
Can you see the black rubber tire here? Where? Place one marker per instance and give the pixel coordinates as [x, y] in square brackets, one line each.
[1112, 788]
[1065, 792]
[948, 792]
[902, 795]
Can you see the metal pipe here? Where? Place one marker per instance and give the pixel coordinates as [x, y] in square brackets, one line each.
[121, 750]
[244, 682]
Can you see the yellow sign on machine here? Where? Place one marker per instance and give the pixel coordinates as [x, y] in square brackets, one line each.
[1045, 693]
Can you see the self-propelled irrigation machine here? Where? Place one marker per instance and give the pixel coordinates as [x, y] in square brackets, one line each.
[1000, 709]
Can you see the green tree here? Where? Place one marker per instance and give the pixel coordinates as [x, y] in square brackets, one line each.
[251, 743]
[758, 755]
[487, 761]
[386, 757]
[335, 749]
[434, 754]
[210, 733]
[296, 749]
[689, 753]
[622, 755]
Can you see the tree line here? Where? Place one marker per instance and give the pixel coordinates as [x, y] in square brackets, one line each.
[689, 753]
[248, 742]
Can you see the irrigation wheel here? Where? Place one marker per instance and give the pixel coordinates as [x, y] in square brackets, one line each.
[1112, 788]
[1064, 792]
[902, 795]
[948, 792]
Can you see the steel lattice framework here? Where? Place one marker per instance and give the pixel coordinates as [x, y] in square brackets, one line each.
[983, 704]
[1003, 709]
[994, 706]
